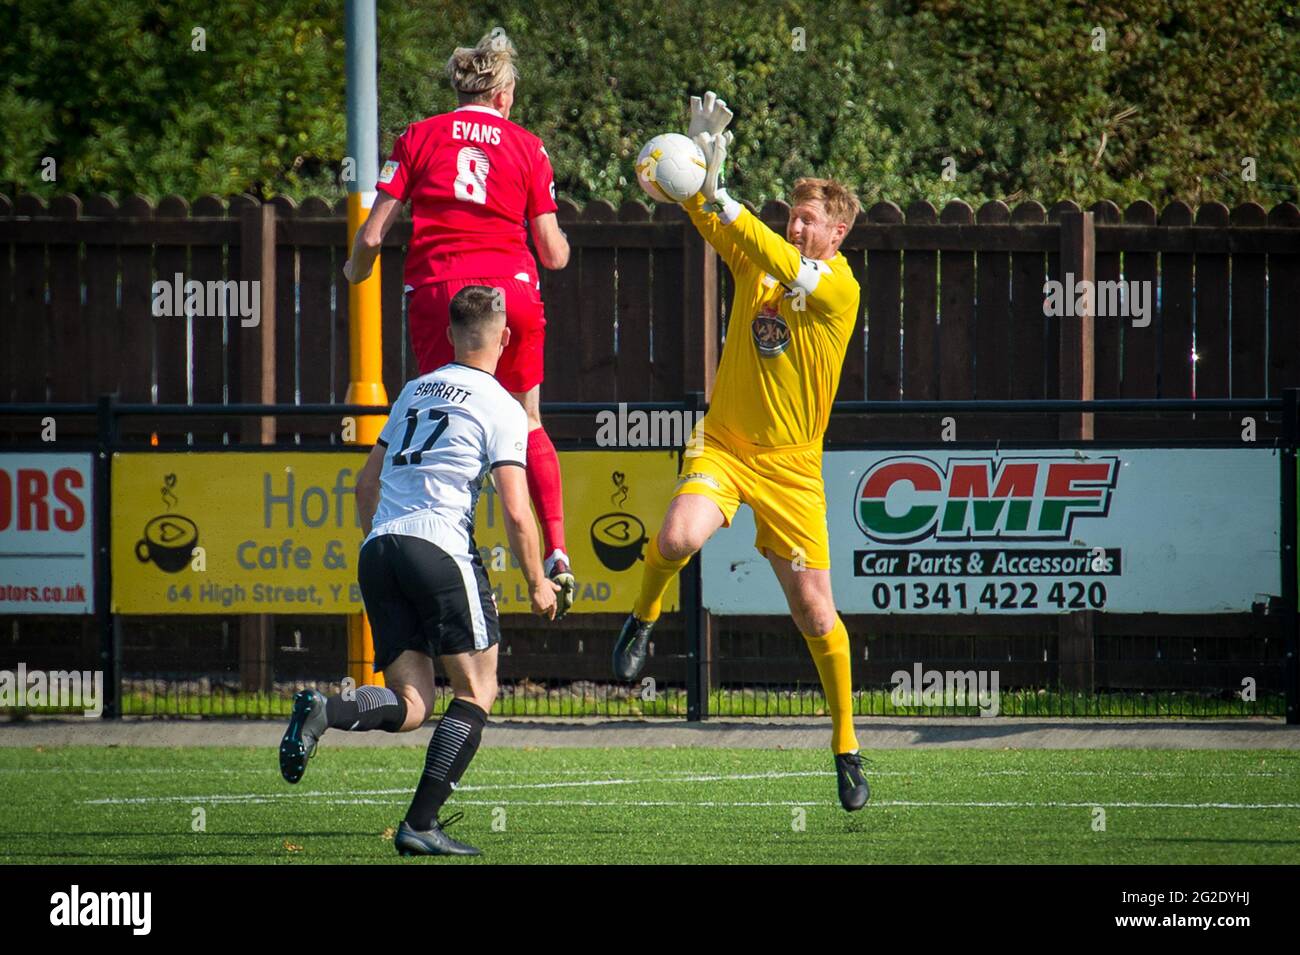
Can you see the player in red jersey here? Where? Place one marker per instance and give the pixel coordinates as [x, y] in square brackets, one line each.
[477, 183]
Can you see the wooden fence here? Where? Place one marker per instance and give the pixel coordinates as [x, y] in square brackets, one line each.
[952, 303]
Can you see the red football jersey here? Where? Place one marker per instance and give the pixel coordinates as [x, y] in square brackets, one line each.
[474, 180]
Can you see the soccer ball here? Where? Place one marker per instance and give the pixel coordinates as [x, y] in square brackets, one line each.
[670, 168]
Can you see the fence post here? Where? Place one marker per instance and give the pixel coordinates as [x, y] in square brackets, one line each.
[699, 311]
[1290, 565]
[700, 340]
[699, 643]
[257, 343]
[1077, 366]
[1076, 637]
[697, 690]
[257, 386]
[110, 648]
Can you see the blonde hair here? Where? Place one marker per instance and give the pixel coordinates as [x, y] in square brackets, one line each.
[479, 72]
[837, 199]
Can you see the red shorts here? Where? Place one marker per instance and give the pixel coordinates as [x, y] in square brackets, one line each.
[428, 315]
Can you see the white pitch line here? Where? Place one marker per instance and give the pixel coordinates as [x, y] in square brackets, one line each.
[1134, 774]
[1090, 805]
[143, 770]
[357, 797]
[714, 778]
[906, 804]
[875, 804]
[263, 797]
[568, 802]
[255, 771]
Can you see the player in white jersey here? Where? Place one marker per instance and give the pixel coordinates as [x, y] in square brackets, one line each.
[421, 578]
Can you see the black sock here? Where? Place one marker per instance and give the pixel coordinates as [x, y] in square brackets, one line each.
[454, 744]
[371, 708]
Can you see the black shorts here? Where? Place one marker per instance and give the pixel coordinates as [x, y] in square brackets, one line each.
[419, 597]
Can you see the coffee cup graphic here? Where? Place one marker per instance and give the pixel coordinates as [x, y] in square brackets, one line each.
[169, 541]
[618, 539]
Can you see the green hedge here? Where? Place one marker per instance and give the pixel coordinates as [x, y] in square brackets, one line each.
[1011, 90]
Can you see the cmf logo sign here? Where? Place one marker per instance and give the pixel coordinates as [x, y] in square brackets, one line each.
[908, 498]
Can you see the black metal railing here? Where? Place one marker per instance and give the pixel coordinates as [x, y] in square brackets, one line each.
[704, 666]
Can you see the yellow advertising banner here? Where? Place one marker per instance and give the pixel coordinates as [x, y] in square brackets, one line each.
[613, 502]
[277, 532]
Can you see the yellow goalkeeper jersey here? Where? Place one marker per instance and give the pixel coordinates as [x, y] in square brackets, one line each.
[790, 324]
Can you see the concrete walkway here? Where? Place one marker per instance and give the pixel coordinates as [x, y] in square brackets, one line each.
[768, 733]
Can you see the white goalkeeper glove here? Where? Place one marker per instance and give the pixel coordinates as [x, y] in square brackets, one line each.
[715, 194]
[709, 115]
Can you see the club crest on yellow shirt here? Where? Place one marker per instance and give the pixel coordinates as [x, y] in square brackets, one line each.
[771, 333]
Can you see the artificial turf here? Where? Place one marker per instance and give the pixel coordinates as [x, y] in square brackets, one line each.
[138, 805]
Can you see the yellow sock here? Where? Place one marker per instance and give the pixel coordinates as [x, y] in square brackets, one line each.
[831, 654]
[659, 572]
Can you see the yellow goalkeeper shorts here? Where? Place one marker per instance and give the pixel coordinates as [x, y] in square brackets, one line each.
[784, 487]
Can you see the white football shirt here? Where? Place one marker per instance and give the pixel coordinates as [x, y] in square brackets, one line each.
[446, 430]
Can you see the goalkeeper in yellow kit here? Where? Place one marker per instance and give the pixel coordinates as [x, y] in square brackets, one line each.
[795, 306]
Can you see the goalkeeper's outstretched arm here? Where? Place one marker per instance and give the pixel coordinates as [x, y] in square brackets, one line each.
[715, 233]
[758, 244]
[770, 251]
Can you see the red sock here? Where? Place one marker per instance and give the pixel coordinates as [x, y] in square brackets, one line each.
[546, 490]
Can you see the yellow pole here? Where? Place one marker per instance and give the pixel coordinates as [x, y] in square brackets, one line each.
[365, 387]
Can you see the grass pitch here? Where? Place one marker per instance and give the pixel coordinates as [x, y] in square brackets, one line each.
[128, 805]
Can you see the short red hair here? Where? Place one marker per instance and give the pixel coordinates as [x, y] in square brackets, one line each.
[837, 199]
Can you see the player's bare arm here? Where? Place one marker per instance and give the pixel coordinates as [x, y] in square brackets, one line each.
[368, 487]
[551, 242]
[512, 488]
[370, 238]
